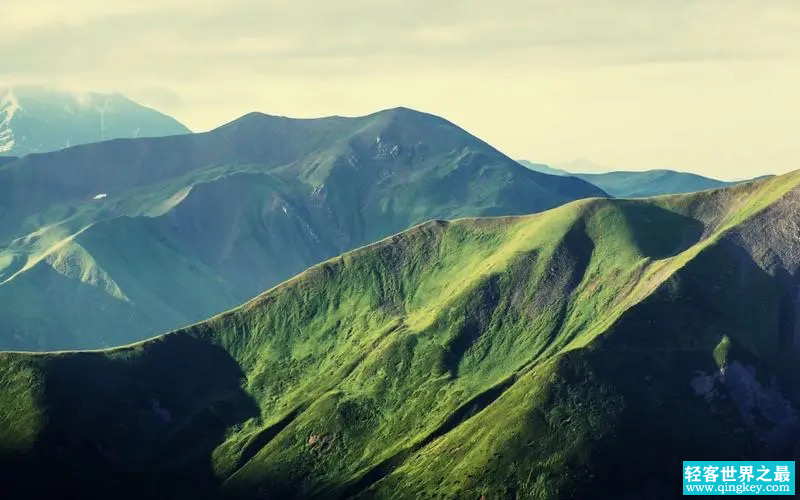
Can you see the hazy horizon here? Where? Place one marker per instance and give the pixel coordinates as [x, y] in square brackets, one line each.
[707, 87]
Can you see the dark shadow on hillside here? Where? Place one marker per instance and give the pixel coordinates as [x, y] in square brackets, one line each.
[140, 425]
[477, 311]
[678, 403]
[568, 267]
[460, 415]
[264, 436]
[657, 232]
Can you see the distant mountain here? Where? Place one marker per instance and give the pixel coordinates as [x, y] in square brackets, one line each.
[37, 120]
[579, 353]
[638, 184]
[582, 165]
[108, 243]
[541, 167]
[652, 183]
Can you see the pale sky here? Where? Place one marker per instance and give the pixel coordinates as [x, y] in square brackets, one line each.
[709, 86]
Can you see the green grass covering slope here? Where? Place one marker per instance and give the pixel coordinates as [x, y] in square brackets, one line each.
[148, 235]
[542, 356]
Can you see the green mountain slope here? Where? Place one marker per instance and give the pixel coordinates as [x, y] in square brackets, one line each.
[639, 184]
[544, 356]
[124, 239]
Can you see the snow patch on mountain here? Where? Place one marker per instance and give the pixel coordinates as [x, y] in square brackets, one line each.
[9, 106]
[102, 112]
[82, 99]
[36, 120]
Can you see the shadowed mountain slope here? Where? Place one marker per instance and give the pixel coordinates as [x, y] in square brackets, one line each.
[109, 243]
[543, 356]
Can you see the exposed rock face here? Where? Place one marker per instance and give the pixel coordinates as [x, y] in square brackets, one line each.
[763, 408]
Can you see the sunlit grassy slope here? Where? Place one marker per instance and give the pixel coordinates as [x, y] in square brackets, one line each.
[122, 240]
[581, 352]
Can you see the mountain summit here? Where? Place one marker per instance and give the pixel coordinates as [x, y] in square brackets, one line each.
[36, 120]
[154, 233]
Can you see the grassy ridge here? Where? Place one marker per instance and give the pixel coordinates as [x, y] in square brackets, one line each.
[542, 356]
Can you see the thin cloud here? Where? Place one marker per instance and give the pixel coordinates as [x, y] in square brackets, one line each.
[535, 77]
[156, 36]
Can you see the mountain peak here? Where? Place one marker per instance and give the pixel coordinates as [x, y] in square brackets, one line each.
[259, 117]
[405, 113]
[311, 188]
[37, 119]
[253, 118]
[402, 110]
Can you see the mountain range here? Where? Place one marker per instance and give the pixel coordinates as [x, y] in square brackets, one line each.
[151, 234]
[37, 119]
[582, 352]
[638, 184]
